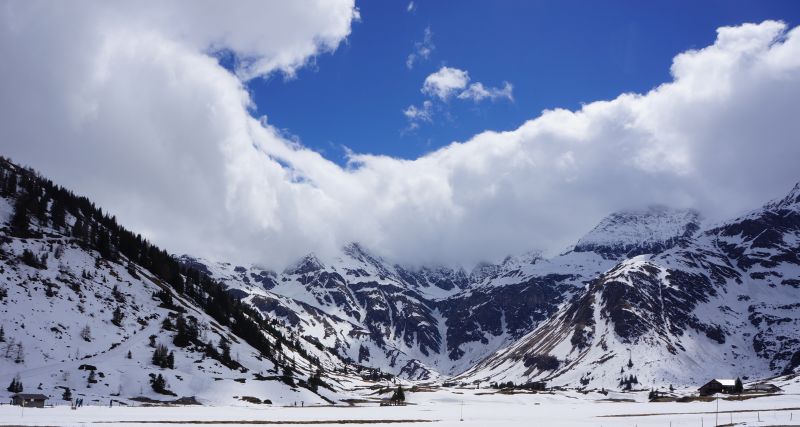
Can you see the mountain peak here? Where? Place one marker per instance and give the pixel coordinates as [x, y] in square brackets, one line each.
[307, 264]
[640, 231]
[790, 201]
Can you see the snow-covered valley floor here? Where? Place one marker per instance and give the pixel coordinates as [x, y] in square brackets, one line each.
[443, 408]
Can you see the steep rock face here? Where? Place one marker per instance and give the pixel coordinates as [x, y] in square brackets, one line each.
[721, 303]
[438, 319]
[496, 311]
[442, 320]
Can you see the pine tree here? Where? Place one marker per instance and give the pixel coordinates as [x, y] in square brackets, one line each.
[287, 376]
[117, 317]
[129, 356]
[57, 214]
[160, 356]
[738, 387]
[119, 296]
[181, 337]
[170, 362]
[11, 184]
[399, 396]
[86, 333]
[2, 334]
[20, 358]
[92, 378]
[159, 384]
[226, 350]
[19, 219]
[67, 394]
[315, 380]
[15, 386]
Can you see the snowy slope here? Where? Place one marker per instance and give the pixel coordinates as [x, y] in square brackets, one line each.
[722, 304]
[643, 295]
[635, 232]
[58, 299]
[426, 321]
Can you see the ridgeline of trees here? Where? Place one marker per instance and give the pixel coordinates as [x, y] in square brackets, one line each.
[39, 200]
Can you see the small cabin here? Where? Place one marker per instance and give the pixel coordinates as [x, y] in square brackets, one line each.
[765, 388]
[28, 400]
[718, 385]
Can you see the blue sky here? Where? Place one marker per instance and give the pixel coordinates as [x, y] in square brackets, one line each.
[555, 54]
[143, 118]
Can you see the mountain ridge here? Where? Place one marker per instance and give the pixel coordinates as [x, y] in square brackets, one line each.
[644, 288]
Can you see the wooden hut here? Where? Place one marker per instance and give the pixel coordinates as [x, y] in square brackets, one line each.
[28, 400]
[718, 385]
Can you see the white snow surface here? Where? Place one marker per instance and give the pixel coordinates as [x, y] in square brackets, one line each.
[452, 407]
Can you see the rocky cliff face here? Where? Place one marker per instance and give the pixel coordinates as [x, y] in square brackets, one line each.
[723, 302]
[436, 320]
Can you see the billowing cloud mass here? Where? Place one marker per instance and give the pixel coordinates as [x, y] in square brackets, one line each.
[127, 105]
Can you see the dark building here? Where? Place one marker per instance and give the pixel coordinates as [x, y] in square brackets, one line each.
[765, 388]
[718, 385]
[28, 400]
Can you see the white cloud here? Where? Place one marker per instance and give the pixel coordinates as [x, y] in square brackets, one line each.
[445, 82]
[477, 92]
[127, 107]
[422, 49]
[411, 7]
[415, 114]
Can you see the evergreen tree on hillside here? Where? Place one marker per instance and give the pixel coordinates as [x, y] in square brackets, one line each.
[315, 380]
[738, 387]
[161, 356]
[11, 184]
[399, 395]
[117, 317]
[225, 350]
[58, 214]
[159, 384]
[19, 219]
[15, 386]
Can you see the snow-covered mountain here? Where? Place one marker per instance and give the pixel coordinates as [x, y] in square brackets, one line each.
[635, 232]
[427, 322]
[723, 303]
[647, 295]
[91, 311]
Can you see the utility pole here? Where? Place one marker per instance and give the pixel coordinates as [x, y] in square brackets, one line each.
[716, 420]
[462, 410]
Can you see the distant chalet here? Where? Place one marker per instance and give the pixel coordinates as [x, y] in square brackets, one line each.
[718, 385]
[28, 400]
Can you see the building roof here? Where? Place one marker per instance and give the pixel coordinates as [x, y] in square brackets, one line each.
[34, 396]
[726, 382]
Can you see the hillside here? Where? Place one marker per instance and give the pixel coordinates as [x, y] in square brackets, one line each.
[722, 304]
[646, 298]
[85, 306]
[432, 322]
